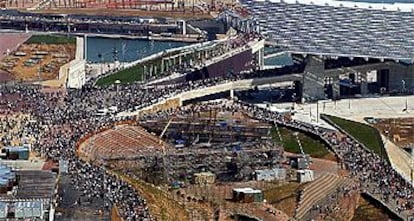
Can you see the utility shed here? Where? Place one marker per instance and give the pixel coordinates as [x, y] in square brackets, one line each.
[247, 195]
[3, 210]
[29, 209]
[305, 176]
[271, 174]
[204, 178]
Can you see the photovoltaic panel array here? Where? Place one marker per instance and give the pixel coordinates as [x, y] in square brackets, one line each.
[336, 31]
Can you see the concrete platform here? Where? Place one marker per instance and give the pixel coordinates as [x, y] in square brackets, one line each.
[357, 110]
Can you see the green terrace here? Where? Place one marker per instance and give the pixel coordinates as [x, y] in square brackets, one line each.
[365, 134]
[141, 71]
[160, 64]
[311, 146]
[51, 39]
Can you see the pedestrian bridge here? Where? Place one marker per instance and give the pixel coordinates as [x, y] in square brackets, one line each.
[231, 86]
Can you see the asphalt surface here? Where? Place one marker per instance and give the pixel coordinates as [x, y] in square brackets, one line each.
[74, 206]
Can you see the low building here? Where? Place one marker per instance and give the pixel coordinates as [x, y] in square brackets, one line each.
[247, 195]
[29, 209]
[300, 162]
[204, 178]
[3, 210]
[270, 174]
[305, 176]
[27, 194]
[17, 152]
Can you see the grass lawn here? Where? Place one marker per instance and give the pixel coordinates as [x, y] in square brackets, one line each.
[310, 145]
[161, 206]
[129, 75]
[364, 133]
[125, 76]
[135, 73]
[51, 39]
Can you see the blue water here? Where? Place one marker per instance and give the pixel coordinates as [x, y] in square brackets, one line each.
[281, 60]
[131, 50]
[128, 49]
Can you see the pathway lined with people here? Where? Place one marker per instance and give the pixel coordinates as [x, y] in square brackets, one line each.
[64, 117]
[374, 175]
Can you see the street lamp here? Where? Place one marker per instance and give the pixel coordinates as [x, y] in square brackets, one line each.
[293, 101]
[403, 86]
[101, 60]
[117, 83]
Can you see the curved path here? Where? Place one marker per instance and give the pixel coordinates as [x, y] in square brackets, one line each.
[345, 153]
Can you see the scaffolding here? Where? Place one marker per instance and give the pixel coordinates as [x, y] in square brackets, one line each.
[210, 129]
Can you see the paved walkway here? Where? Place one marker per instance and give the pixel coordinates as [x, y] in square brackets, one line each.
[357, 110]
[400, 159]
[303, 112]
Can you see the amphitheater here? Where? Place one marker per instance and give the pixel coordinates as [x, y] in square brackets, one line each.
[121, 142]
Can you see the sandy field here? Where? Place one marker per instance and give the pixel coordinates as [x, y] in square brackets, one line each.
[11, 41]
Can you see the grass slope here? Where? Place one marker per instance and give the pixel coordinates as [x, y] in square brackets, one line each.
[369, 212]
[129, 75]
[125, 76]
[364, 133]
[283, 197]
[310, 145]
[51, 39]
[161, 206]
[136, 72]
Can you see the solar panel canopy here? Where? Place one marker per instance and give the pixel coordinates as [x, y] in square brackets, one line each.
[335, 31]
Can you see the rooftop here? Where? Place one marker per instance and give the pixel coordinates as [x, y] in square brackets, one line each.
[247, 190]
[335, 31]
[35, 183]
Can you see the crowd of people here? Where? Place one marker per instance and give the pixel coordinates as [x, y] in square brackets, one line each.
[375, 174]
[60, 119]
[64, 117]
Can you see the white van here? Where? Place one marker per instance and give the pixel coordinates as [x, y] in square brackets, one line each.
[101, 112]
[113, 109]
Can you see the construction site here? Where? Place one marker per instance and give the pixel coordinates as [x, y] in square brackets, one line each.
[398, 130]
[36, 61]
[228, 145]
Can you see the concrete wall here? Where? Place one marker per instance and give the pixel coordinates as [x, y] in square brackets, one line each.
[76, 69]
[313, 80]
[76, 74]
[315, 73]
[399, 73]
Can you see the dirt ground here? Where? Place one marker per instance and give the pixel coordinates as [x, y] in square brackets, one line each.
[160, 204]
[25, 67]
[367, 211]
[284, 197]
[400, 130]
[218, 197]
[10, 41]
[18, 4]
